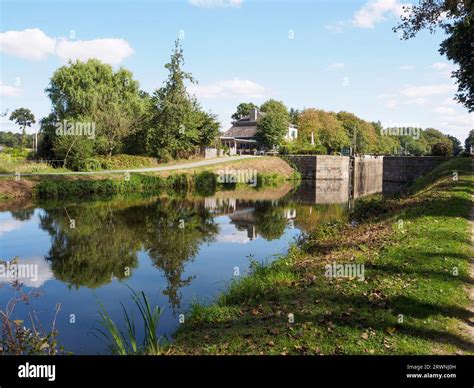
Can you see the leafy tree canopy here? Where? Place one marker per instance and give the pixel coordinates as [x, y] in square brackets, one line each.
[456, 18]
[243, 109]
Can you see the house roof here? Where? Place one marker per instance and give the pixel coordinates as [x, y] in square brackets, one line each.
[246, 128]
[241, 131]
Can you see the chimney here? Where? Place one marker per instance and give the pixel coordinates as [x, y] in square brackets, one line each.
[253, 114]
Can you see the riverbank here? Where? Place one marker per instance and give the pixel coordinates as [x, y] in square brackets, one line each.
[412, 298]
[271, 171]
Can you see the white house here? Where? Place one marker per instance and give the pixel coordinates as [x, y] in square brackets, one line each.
[240, 138]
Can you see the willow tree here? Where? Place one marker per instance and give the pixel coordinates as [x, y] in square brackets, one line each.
[93, 92]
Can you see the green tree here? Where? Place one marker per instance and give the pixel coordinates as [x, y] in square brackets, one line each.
[24, 118]
[361, 134]
[326, 128]
[469, 140]
[457, 147]
[178, 124]
[243, 109]
[456, 18]
[91, 92]
[433, 136]
[275, 106]
[412, 146]
[294, 115]
[273, 126]
[444, 148]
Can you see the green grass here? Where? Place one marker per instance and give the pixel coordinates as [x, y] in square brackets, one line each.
[413, 299]
[127, 343]
[201, 183]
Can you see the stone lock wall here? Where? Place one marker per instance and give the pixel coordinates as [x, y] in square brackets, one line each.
[406, 169]
[320, 166]
[372, 174]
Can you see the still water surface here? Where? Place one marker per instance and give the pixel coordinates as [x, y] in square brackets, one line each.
[175, 250]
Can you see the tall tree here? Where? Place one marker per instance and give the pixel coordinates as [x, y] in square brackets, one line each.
[325, 127]
[469, 141]
[456, 18]
[457, 147]
[92, 92]
[179, 125]
[273, 126]
[24, 118]
[294, 114]
[361, 134]
[243, 109]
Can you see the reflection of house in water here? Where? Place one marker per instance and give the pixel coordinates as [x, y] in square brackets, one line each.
[240, 212]
[244, 219]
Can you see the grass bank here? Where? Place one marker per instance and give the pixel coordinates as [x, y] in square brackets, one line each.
[201, 183]
[270, 172]
[412, 298]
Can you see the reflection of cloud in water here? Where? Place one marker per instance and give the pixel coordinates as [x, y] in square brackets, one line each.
[9, 225]
[42, 275]
[229, 234]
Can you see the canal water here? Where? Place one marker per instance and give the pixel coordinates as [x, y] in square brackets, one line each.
[176, 250]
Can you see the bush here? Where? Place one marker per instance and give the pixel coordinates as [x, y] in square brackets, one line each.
[75, 150]
[205, 183]
[124, 161]
[270, 179]
[180, 183]
[301, 149]
[82, 188]
[442, 149]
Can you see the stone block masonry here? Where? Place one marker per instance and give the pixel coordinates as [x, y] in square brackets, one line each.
[406, 169]
[320, 166]
[372, 174]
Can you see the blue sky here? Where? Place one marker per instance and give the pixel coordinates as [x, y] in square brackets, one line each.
[332, 55]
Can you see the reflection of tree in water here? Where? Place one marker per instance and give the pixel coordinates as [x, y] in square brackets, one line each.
[107, 237]
[270, 220]
[22, 215]
[98, 248]
[172, 232]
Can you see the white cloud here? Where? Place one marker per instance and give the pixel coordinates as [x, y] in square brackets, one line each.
[427, 90]
[391, 104]
[450, 102]
[336, 66]
[31, 44]
[444, 110]
[9, 91]
[9, 225]
[34, 44]
[228, 89]
[384, 96]
[38, 269]
[112, 51]
[337, 27]
[216, 3]
[376, 11]
[407, 67]
[440, 66]
[230, 234]
[416, 101]
[460, 120]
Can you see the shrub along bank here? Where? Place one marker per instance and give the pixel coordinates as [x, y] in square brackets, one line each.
[202, 183]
